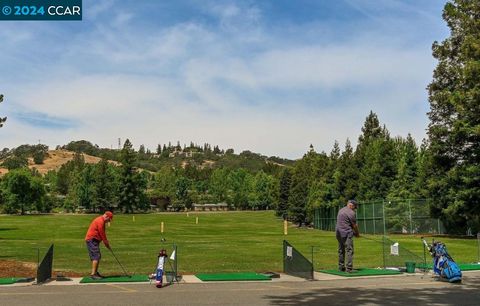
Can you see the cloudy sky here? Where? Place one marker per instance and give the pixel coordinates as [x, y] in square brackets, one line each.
[268, 76]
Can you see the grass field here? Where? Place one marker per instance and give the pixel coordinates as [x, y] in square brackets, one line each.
[221, 242]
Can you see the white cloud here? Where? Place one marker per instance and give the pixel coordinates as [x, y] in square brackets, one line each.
[240, 87]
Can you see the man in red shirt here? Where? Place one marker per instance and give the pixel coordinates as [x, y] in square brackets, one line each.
[95, 235]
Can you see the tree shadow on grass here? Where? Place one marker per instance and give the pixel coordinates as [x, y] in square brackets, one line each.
[454, 294]
[8, 228]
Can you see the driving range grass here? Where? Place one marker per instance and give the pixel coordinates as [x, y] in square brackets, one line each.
[220, 242]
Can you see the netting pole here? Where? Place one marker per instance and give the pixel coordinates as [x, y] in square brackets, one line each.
[383, 252]
[424, 257]
[384, 224]
[373, 209]
[384, 233]
[410, 212]
[364, 220]
[438, 226]
[313, 263]
[478, 246]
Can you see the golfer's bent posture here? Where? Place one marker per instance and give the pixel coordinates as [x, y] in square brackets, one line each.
[345, 230]
[95, 235]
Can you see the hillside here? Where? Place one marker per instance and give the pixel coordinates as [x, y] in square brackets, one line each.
[54, 160]
[170, 156]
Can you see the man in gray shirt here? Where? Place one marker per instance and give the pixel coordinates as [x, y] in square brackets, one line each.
[345, 230]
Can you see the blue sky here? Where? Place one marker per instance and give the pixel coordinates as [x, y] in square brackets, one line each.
[268, 76]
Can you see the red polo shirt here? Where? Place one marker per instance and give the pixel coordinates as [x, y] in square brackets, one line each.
[97, 230]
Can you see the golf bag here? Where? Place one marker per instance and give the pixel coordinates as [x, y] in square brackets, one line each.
[443, 263]
[162, 260]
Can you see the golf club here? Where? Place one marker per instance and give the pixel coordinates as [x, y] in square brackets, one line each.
[124, 271]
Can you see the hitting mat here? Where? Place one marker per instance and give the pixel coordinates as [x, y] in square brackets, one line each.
[9, 280]
[362, 272]
[463, 267]
[116, 279]
[246, 276]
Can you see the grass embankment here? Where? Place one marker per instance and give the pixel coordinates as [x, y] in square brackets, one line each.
[220, 242]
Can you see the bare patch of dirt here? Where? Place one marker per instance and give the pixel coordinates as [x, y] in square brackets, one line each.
[12, 268]
[55, 159]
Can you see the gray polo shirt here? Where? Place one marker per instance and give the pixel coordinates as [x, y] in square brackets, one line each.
[345, 219]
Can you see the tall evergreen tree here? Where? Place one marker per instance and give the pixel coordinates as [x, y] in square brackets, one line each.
[84, 189]
[104, 185]
[344, 178]
[375, 159]
[129, 191]
[299, 190]
[404, 184]
[284, 193]
[454, 129]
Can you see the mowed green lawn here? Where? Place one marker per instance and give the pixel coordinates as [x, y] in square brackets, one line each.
[220, 242]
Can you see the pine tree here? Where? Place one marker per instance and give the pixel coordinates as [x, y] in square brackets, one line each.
[103, 187]
[128, 198]
[403, 187]
[284, 193]
[297, 201]
[302, 179]
[376, 160]
[344, 178]
[454, 129]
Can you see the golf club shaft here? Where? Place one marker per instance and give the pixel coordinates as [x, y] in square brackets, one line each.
[124, 271]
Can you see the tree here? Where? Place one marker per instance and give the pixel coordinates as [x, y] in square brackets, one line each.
[263, 190]
[182, 187]
[219, 185]
[39, 154]
[376, 160]
[84, 188]
[240, 182]
[403, 187]
[132, 187]
[15, 162]
[284, 193]
[141, 150]
[303, 173]
[2, 120]
[454, 129]
[104, 185]
[22, 191]
[344, 178]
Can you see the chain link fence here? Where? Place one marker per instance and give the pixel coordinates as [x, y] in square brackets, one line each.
[405, 216]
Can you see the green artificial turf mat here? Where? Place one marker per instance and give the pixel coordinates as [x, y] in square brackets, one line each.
[469, 267]
[423, 266]
[8, 280]
[362, 272]
[462, 266]
[246, 276]
[116, 279]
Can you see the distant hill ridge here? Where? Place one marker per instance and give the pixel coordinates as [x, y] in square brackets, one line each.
[54, 159]
[168, 155]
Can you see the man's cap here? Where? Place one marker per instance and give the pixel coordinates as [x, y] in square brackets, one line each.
[109, 214]
[353, 202]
